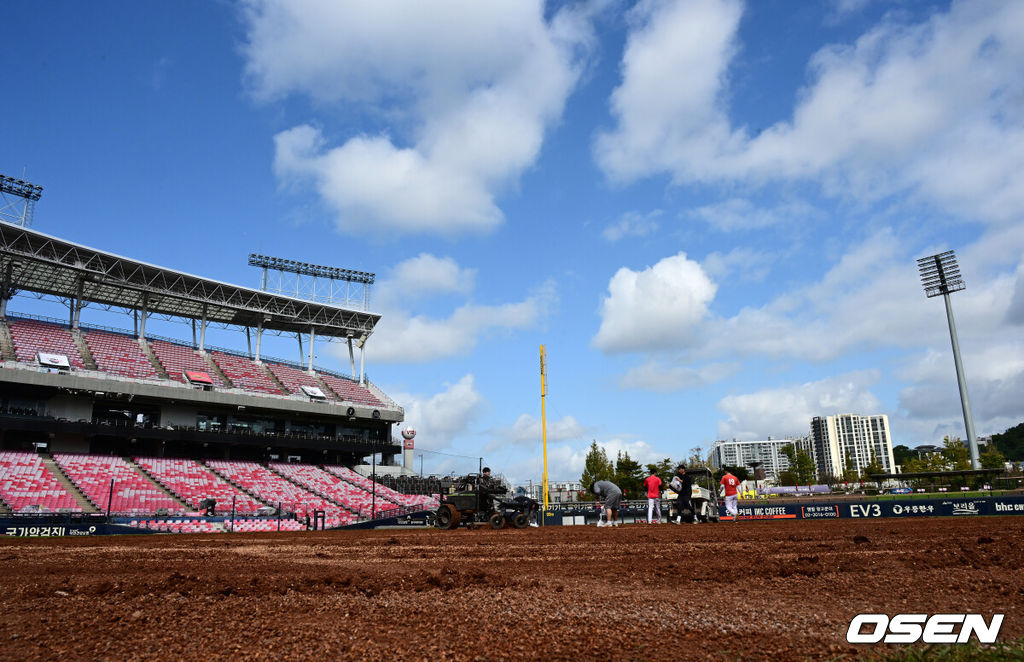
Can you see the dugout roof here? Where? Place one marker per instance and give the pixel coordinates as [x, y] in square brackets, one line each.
[36, 262]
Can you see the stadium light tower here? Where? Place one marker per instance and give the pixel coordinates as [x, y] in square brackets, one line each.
[940, 274]
[18, 200]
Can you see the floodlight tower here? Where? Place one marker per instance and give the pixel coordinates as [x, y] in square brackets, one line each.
[940, 274]
[18, 200]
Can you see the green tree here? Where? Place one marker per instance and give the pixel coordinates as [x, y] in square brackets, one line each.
[596, 466]
[696, 458]
[956, 454]
[1011, 443]
[873, 467]
[992, 459]
[663, 469]
[901, 454]
[787, 478]
[850, 471]
[629, 475]
[801, 466]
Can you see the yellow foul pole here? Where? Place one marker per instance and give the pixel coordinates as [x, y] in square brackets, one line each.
[544, 422]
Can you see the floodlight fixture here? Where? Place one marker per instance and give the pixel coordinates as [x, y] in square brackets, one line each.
[306, 269]
[940, 274]
[19, 208]
[20, 188]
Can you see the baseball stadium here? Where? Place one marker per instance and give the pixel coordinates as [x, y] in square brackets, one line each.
[163, 498]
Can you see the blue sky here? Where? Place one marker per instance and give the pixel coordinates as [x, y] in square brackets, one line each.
[708, 211]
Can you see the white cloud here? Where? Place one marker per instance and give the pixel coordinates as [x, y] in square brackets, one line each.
[526, 432]
[656, 376]
[442, 417]
[743, 264]
[737, 214]
[404, 337]
[466, 91]
[426, 274]
[787, 411]
[632, 224]
[655, 308]
[931, 109]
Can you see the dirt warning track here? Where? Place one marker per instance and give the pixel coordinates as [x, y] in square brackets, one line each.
[716, 592]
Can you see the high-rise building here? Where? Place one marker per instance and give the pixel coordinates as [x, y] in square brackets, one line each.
[766, 453]
[844, 441]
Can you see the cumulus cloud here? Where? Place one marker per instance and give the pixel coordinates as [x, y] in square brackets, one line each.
[931, 109]
[442, 417]
[423, 275]
[667, 377]
[465, 92]
[744, 264]
[632, 224]
[738, 214]
[401, 336]
[787, 411]
[653, 309]
[526, 432]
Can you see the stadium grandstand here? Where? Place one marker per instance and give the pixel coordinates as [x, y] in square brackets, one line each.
[100, 419]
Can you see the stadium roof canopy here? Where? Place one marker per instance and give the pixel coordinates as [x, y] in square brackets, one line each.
[36, 262]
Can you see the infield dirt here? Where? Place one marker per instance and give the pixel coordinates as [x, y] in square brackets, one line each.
[753, 590]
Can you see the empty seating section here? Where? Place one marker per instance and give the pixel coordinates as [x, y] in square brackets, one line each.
[334, 488]
[350, 391]
[293, 378]
[31, 337]
[176, 359]
[366, 484]
[191, 482]
[245, 374]
[249, 525]
[275, 489]
[26, 484]
[133, 492]
[119, 354]
[179, 525]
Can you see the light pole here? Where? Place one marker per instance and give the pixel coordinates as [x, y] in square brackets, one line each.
[940, 274]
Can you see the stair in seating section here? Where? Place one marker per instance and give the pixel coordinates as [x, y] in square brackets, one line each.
[153, 360]
[215, 369]
[156, 483]
[6, 342]
[62, 478]
[83, 349]
[281, 470]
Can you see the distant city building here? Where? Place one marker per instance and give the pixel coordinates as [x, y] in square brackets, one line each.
[558, 491]
[766, 454]
[838, 440]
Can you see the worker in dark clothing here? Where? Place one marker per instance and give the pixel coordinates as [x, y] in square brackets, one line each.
[683, 485]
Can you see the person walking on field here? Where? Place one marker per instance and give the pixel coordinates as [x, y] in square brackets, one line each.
[730, 486]
[652, 484]
[611, 495]
[683, 486]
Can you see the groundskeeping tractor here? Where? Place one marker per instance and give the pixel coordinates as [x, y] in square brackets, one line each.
[476, 500]
[703, 495]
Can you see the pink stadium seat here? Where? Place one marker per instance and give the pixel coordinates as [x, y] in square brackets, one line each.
[176, 359]
[245, 373]
[119, 354]
[133, 492]
[350, 391]
[26, 483]
[294, 379]
[32, 336]
[191, 482]
[334, 488]
[275, 489]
